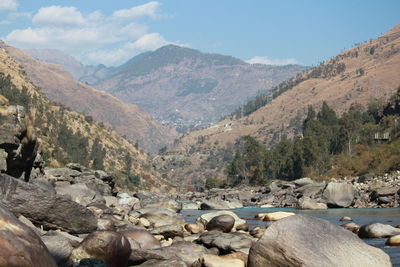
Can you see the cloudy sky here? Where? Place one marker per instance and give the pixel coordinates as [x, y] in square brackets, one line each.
[258, 31]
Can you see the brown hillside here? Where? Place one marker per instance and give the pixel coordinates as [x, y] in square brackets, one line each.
[127, 119]
[49, 117]
[359, 75]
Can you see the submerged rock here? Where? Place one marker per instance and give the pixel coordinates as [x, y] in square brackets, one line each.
[306, 241]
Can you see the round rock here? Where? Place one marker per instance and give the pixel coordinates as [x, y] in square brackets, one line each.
[223, 223]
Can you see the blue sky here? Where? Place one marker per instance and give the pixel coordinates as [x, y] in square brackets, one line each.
[258, 31]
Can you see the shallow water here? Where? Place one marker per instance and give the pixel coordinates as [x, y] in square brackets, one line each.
[359, 216]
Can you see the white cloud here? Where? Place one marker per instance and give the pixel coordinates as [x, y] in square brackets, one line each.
[150, 10]
[58, 16]
[103, 39]
[270, 61]
[7, 5]
[146, 42]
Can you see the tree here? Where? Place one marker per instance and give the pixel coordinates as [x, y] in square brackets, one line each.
[97, 155]
[327, 116]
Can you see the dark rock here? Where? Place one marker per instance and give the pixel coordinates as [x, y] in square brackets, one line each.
[168, 231]
[112, 247]
[59, 246]
[163, 263]
[19, 245]
[92, 263]
[366, 178]
[377, 230]
[42, 207]
[143, 237]
[306, 241]
[223, 223]
[226, 242]
[310, 190]
[339, 194]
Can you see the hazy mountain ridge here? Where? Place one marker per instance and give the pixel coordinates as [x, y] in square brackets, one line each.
[59, 85]
[371, 70]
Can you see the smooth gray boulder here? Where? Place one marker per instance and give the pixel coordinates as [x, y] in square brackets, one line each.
[339, 195]
[223, 223]
[306, 203]
[377, 230]
[43, 207]
[80, 193]
[301, 240]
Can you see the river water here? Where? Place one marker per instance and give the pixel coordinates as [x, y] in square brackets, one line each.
[359, 216]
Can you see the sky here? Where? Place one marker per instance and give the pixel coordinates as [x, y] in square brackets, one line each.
[257, 31]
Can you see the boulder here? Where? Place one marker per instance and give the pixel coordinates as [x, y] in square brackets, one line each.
[163, 263]
[215, 204]
[3, 160]
[210, 260]
[393, 241]
[345, 219]
[42, 207]
[159, 216]
[275, 216]
[195, 228]
[59, 246]
[168, 231]
[257, 232]
[377, 230]
[207, 217]
[351, 226]
[226, 242]
[163, 202]
[306, 203]
[306, 241]
[190, 206]
[112, 247]
[303, 181]
[339, 195]
[223, 223]
[124, 199]
[19, 245]
[80, 193]
[143, 237]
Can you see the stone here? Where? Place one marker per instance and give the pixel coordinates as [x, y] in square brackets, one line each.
[143, 237]
[257, 232]
[303, 181]
[223, 223]
[80, 193]
[112, 247]
[59, 246]
[267, 206]
[163, 263]
[210, 260]
[105, 224]
[351, 226]
[19, 245]
[206, 217]
[92, 263]
[168, 231]
[307, 241]
[111, 201]
[3, 160]
[377, 230]
[41, 207]
[306, 203]
[214, 205]
[339, 195]
[226, 242]
[190, 206]
[144, 222]
[393, 241]
[275, 216]
[311, 190]
[163, 202]
[159, 216]
[195, 228]
[125, 199]
[345, 219]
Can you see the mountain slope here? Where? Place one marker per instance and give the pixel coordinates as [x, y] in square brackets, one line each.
[126, 119]
[184, 87]
[65, 135]
[359, 75]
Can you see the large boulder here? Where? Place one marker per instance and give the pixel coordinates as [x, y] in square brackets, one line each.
[19, 245]
[223, 223]
[274, 216]
[377, 230]
[306, 241]
[226, 242]
[168, 231]
[59, 246]
[215, 204]
[306, 203]
[207, 217]
[80, 193]
[142, 237]
[159, 216]
[43, 207]
[112, 247]
[339, 195]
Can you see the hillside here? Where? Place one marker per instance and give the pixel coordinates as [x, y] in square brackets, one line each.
[367, 72]
[66, 136]
[185, 88]
[59, 86]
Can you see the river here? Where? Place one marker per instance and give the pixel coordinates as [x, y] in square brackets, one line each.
[359, 216]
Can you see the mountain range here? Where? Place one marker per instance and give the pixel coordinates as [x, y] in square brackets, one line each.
[180, 87]
[359, 75]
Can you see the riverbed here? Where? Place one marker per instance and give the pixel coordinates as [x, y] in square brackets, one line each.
[359, 216]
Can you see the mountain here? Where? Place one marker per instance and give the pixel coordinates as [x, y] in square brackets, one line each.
[59, 86]
[67, 136]
[183, 87]
[369, 71]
